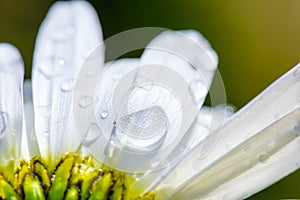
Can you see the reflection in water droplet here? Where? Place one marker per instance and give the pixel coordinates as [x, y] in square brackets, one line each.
[92, 134]
[61, 62]
[85, 101]
[262, 158]
[104, 114]
[68, 85]
[3, 123]
[198, 90]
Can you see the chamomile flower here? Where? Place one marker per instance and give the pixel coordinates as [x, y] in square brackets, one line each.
[135, 128]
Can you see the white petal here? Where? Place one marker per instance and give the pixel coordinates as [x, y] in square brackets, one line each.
[262, 136]
[29, 141]
[11, 102]
[70, 31]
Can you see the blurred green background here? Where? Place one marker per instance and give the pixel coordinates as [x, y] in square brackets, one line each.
[256, 40]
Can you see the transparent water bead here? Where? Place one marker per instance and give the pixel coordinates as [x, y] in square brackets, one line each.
[92, 134]
[68, 85]
[262, 158]
[85, 101]
[145, 129]
[104, 114]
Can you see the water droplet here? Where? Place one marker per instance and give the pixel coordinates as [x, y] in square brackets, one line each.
[92, 134]
[3, 123]
[198, 91]
[296, 72]
[61, 62]
[104, 114]
[182, 147]
[68, 85]
[262, 158]
[85, 101]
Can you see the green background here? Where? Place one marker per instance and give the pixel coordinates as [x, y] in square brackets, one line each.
[256, 40]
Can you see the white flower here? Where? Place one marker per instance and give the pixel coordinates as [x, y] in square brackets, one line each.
[256, 147]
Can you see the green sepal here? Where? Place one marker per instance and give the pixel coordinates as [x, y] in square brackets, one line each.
[87, 182]
[41, 171]
[33, 189]
[6, 191]
[100, 189]
[117, 190]
[72, 193]
[61, 176]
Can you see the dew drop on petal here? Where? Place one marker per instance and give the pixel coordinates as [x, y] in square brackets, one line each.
[61, 62]
[104, 114]
[3, 123]
[85, 101]
[92, 134]
[68, 85]
[262, 158]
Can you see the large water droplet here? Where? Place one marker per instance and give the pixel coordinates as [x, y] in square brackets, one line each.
[85, 101]
[3, 123]
[146, 129]
[92, 134]
[262, 158]
[198, 90]
[68, 85]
